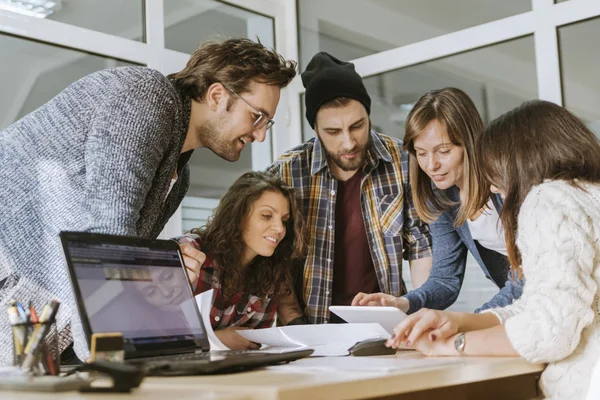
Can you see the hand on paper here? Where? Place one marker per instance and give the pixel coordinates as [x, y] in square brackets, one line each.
[426, 330]
[229, 337]
[439, 347]
[193, 260]
[380, 299]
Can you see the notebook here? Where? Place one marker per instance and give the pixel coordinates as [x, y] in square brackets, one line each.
[139, 287]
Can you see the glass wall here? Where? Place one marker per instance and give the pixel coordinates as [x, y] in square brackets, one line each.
[34, 72]
[579, 60]
[115, 17]
[368, 27]
[497, 78]
[189, 22]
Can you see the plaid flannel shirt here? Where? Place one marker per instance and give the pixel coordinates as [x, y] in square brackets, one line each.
[243, 309]
[391, 221]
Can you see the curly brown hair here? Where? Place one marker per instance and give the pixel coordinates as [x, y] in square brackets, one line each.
[235, 63]
[222, 240]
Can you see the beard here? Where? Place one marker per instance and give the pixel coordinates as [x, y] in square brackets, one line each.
[212, 136]
[348, 164]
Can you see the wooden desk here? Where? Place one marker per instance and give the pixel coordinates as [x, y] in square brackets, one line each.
[470, 378]
[146, 392]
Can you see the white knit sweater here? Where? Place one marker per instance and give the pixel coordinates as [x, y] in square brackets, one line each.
[556, 321]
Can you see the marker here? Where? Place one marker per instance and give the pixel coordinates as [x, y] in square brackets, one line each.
[18, 331]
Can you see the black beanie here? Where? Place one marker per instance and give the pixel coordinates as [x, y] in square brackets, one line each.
[326, 78]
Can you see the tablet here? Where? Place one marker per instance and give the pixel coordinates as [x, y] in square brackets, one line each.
[387, 317]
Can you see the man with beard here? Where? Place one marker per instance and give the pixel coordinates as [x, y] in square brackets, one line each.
[354, 188]
[110, 153]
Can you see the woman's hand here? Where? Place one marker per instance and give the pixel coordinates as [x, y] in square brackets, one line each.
[230, 338]
[380, 299]
[432, 325]
[193, 260]
[439, 347]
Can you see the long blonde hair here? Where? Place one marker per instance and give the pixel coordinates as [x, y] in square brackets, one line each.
[454, 110]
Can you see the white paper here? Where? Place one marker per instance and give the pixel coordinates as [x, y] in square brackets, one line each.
[387, 317]
[274, 337]
[363, 364]
[325, 340]
[311, 335]
[204, 302]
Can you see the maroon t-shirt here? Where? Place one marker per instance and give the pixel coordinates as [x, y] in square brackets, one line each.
[353, 269]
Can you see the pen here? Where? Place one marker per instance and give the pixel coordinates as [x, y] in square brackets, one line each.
[33, 314]
[47, 360]
[28, 312]
[22, 312]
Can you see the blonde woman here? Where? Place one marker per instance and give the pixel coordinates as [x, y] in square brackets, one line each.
[448, 191]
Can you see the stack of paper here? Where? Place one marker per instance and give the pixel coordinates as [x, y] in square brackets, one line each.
[326, 340]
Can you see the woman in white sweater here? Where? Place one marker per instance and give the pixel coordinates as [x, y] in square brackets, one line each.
[546, 165]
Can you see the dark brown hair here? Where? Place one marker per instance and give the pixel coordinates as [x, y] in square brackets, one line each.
[454, 110]
[222, 240]
[538, 140]
[235, 63]
[336, 102]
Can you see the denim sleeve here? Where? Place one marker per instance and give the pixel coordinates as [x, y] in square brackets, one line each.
[448, 268]
[510, 292]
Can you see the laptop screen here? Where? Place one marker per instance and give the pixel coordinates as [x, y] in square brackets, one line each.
[138, 288]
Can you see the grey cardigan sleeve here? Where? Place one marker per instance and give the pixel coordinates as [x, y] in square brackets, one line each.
[126, 141]
[442, 287]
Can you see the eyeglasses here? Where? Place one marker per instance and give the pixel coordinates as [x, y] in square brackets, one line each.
[262, 118]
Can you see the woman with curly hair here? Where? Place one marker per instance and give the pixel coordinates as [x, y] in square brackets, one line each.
[250, 242]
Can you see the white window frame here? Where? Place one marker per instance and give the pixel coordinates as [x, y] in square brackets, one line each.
[542, 22]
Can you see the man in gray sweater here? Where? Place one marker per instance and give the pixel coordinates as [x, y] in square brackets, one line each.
[109, 154]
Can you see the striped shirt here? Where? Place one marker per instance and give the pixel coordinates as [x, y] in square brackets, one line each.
[393, 227]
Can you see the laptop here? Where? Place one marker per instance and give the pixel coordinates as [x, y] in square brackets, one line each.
[139, 287]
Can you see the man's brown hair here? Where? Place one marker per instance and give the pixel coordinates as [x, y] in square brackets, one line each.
[235, 63]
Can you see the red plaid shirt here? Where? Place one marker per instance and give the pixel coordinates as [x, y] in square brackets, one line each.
[244, 309]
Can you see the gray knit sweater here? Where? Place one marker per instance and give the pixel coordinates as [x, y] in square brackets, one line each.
[99, 157]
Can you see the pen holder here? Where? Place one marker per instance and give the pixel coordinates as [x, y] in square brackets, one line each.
[35, 347]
